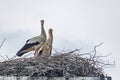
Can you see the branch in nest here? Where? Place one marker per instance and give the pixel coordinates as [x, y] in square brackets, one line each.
[95, 49]
[7, 57]
[2, 57]
[104, 56]
[73, 51]
[2, 43]
[108, 64]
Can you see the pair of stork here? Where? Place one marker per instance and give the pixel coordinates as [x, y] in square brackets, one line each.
[39, 44]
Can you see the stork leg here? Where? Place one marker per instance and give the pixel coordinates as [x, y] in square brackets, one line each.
[35, 54]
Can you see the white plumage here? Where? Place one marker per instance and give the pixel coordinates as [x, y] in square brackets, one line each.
[46, 49]
[35, 43]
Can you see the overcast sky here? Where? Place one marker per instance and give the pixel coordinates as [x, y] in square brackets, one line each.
[76, 24]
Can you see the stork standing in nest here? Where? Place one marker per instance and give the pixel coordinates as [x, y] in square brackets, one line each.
[46, 49]
[34, 44]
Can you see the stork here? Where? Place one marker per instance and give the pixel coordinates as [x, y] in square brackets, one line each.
[46, 49]
[34, 44]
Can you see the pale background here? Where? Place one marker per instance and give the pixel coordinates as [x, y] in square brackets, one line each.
[76, 24]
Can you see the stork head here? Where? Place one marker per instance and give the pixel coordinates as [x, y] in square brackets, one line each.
[50, 30]
[42, 22]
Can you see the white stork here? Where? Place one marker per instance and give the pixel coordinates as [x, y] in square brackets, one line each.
[46, 49]
[35, 43]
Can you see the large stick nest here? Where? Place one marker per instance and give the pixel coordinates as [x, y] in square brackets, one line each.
[59, 64]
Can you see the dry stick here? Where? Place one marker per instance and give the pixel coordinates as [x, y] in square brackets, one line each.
[1, 46]
[108, 64]
[105, 55]
[88, 53]
[13, 57]
[2, 57]
[95, 49]
[56, 50]
[2, 43]
[94, 56]
[7, 57]
[73, 51]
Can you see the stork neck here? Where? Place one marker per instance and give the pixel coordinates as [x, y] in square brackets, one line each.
[51, 35]
[42, 29]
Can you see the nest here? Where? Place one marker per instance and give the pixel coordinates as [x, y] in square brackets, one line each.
[58, 65]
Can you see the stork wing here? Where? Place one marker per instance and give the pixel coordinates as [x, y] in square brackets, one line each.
[32, 42]
[28, 45]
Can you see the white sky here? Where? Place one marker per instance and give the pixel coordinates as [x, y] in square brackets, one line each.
[76, 24]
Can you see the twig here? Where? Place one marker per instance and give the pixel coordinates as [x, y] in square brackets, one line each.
[13, 57]
[2, 57]
[7, 57]
[73, 51]
[2, 42]
[95, 49]
[105, 55]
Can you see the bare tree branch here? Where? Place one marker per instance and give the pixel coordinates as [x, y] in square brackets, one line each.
[105, 55]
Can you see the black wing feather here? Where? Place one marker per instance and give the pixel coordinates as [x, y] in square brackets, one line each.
[26, 46]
